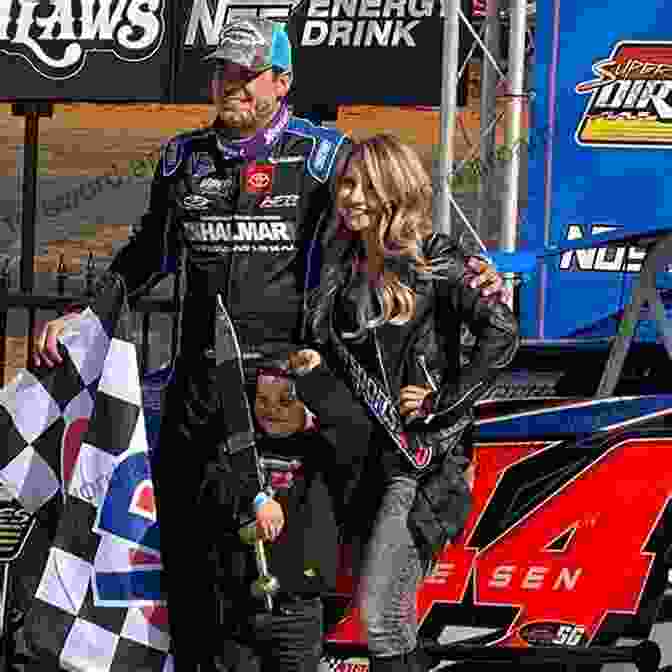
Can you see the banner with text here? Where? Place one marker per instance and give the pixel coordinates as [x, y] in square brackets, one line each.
[346, 52]
[598, 158]
[85, 50]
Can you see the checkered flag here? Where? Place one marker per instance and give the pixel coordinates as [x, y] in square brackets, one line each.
[44, 412]
[78, 431]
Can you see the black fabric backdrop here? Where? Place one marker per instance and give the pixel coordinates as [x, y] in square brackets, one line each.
[347, 52]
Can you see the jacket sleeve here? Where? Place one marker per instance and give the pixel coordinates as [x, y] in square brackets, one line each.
[146, 259]
[342, 420]
[490, 321]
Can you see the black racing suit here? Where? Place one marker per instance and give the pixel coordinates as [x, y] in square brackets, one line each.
[251, 233]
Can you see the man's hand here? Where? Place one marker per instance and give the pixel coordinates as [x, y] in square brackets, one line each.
[485, 276]
[270, 520]
[411, 398]
[46, 344]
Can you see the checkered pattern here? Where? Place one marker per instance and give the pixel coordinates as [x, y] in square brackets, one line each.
[68, 428]
[38, 409]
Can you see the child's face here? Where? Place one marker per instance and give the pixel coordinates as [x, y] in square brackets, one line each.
[276, 411]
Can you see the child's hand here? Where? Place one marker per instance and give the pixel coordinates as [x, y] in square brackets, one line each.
[304, 360]
[270, 521]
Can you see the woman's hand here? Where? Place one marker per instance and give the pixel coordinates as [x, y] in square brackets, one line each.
[270, 521]
[411, 398]
[482, 275]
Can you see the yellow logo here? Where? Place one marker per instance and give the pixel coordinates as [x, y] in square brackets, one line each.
[631, 98]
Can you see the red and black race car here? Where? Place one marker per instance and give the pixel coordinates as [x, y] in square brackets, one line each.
[566, 544]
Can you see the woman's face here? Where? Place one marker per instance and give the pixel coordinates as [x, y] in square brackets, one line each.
[356, 201]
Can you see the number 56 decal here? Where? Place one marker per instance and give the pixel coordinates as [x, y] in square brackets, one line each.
[570, 635]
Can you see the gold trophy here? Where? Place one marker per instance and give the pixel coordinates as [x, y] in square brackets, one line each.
[267, 585]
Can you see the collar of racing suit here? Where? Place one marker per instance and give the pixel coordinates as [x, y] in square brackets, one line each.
[260, 145]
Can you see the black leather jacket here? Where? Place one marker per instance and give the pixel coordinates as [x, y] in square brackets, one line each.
[443, 305]
[400, 355]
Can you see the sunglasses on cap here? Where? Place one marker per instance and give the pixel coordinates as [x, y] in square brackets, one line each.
[225, 70]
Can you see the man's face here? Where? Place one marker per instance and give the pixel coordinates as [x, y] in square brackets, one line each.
[245, 100]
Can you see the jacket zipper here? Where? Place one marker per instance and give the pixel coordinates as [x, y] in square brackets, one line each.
[380, 363]
[422, 361]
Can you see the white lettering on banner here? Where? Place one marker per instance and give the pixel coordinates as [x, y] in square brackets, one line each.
[211, 25]
[5, 18]
[101, 25]
[613, 258]
[356, 24]
[348, 33]
[131, 29]
[140, 18]
[369, 9]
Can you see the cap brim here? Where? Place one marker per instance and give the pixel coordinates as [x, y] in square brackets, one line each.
[220, 55]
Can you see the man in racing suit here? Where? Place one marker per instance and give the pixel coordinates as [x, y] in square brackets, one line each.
[244, 204]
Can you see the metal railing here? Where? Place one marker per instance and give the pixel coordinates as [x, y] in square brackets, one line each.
[57, 302]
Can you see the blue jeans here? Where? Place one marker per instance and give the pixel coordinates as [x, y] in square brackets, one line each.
[391, 574]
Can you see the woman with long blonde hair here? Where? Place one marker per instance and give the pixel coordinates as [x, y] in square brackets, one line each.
[388, 315]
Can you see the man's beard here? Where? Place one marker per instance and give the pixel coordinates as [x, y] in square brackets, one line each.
[243, 123]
